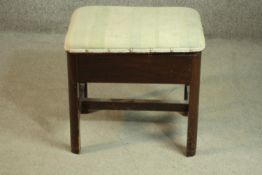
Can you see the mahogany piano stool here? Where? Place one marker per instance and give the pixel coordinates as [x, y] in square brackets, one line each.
[158, 45]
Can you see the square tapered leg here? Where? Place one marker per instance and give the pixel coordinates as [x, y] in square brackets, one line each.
[193, 107]
[73, 104]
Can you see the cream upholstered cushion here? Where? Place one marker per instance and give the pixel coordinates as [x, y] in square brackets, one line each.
[134, 29]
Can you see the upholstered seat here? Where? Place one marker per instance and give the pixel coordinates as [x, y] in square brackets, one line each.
[134, 29]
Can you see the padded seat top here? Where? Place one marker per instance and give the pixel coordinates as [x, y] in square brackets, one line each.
[100, 29]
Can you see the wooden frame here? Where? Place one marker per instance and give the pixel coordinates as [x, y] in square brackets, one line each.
[157, 68]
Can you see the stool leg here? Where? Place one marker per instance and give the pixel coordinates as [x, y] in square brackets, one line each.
[83, 90]
[73, 104]
[83, 93]
[193, 107]
[185, 92]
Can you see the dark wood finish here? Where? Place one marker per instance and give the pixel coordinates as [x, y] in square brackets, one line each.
[185, 92]
[73, 103]
[83, 90]
[141, 105]
[166, 68]
[134, 68]
[193, 107]
[83, 94]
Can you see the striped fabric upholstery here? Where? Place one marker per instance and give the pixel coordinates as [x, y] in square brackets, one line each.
[134, 29]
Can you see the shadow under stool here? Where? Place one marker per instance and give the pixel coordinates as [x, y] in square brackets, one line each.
[154, 45]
